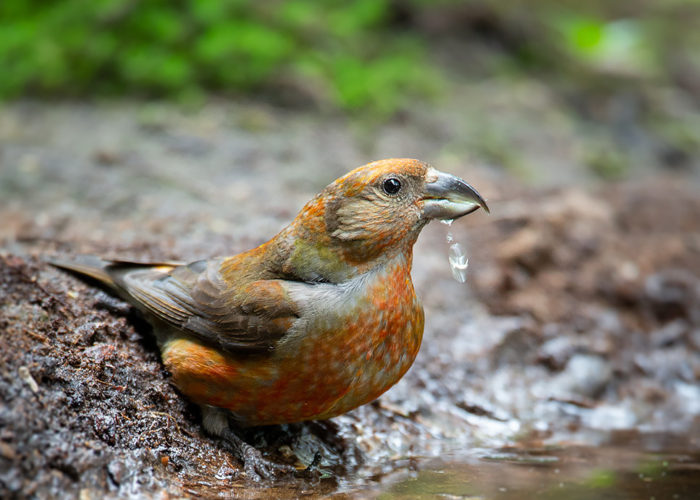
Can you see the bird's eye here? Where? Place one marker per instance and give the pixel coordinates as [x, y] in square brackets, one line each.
[391, 186]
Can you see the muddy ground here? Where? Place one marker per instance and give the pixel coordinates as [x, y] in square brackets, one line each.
[579, 321]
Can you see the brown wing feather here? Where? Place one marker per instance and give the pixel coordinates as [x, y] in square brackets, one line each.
[194, 298]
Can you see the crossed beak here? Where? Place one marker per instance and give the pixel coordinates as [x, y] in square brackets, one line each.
[449, 197]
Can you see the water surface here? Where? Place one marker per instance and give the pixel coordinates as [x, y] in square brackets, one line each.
[613, 471]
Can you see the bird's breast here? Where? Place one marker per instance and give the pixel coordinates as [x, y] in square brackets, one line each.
[351, 343]
[360, 342]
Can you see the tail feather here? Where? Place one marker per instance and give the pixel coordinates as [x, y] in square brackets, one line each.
[89, 266]
[108, 272]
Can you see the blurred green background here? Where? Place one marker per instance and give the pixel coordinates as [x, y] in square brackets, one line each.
[377, 58]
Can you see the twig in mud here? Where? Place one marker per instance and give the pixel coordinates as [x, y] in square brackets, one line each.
[27, 378]
[581, 402]
[116, 387]
[36, 336]
[163, 414]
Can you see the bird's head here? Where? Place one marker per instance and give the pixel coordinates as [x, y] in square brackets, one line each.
[376, 211]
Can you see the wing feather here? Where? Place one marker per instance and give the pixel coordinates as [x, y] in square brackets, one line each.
[194, 298]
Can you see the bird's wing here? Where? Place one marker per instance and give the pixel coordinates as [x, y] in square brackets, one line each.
[194, 298]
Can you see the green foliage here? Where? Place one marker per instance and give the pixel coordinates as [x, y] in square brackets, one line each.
[623, 44]
[345, 51]
[356, 55]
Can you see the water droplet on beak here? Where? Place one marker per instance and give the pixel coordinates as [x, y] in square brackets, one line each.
[458, 262]
[456, 256]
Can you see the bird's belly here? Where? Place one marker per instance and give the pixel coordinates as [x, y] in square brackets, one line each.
[339, 364]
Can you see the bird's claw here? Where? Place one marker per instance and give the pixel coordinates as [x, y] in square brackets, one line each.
[258, 468]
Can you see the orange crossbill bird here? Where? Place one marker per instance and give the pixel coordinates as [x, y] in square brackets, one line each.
[319, 320]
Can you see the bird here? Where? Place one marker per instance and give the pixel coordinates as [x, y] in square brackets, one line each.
[319, 320]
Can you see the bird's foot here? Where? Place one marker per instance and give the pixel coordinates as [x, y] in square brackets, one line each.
[256, 467]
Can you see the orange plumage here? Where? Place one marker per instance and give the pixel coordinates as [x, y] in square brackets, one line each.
[315, 322]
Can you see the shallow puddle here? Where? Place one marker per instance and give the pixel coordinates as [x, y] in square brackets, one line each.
[554, 473]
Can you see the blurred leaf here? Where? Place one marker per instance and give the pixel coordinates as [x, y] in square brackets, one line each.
[621, 45]
[159, 24]
[583, 35]
[356, 16]
[300, 13]
[155, 68]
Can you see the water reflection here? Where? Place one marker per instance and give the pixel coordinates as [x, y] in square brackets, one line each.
[575, 472]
